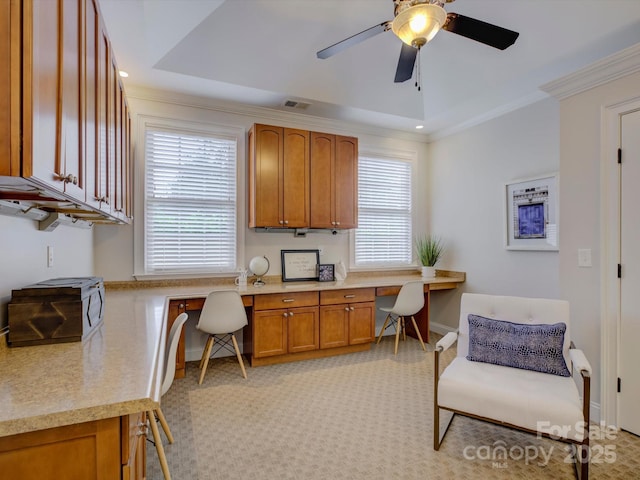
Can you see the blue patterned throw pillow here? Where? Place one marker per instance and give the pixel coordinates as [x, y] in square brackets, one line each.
[531, 347]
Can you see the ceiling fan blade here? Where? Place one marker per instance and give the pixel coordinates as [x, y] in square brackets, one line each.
[406, 62]
[480, 31]
[353, 40]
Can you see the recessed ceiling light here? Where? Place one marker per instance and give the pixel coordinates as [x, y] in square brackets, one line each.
[419, 126]
[123, 74]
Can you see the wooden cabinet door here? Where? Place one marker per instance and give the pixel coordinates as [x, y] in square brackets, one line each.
[52, 105]
[6, 73]
[176, 307]
[133, 446]
[334, 326]
[42, 77]
[322, 172]
[295, 178]
[346, 182]
[362, 322]
[265, 171]
[302, 329]
[269, 333]
[90, 450]
[91, 101]
[101, 184]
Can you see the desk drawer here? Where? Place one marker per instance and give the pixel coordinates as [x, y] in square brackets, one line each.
[272, 301]
[348, 295]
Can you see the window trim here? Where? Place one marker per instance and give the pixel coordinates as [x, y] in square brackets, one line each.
[401, 156]
[143, 122]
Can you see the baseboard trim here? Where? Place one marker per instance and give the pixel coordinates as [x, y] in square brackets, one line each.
[440, 328]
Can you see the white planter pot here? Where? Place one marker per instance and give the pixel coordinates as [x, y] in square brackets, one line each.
[428, 272]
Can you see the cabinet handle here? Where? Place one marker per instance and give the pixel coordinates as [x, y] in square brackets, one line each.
[143, 429]
[181, 305]
[285, 314]
[346, 309]
[352, 308]
[288, 300]
[337, 223]
[68, 178]
[280, 222]
[291, 314]
[286, 222]
[350, 296]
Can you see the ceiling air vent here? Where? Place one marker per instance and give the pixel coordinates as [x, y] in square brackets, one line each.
[296, 104]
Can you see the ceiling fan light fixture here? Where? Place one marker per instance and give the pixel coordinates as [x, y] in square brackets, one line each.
[419, 23]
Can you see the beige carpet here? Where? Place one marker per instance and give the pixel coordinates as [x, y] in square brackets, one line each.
[361, 416]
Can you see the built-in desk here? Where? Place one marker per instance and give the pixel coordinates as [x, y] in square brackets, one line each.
[378, 284]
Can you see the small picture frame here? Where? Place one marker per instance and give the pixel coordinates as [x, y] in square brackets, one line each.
[326, 272]
[299, 265]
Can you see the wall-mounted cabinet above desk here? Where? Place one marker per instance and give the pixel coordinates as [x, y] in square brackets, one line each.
[302, 179]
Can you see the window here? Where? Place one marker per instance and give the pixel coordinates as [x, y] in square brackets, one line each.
[190, 202]
[384, 233]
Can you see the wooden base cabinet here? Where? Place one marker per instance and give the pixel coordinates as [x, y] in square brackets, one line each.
[317, 324]
[114, 448]
[347, 317]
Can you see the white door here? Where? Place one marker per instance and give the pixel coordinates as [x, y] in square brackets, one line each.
[629, 352]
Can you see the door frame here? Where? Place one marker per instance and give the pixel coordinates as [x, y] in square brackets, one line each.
[610, 216]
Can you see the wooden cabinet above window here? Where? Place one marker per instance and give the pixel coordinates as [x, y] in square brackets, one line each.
[302, 179]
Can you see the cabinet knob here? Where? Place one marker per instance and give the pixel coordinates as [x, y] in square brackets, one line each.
[286, 222]
[285, 314]
[181, 305]
[68, 178]
[143, 429]
[346, 309]
[280, 222]
[352, 308]
[291, 314]
[337, 223]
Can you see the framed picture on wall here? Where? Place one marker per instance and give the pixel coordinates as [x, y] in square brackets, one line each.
[531, 214]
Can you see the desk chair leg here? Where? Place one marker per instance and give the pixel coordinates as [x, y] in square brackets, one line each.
[205, 359]
[398, 328]
[165, 425]
[415, 325]
[159, 447]
[384, 327]
[235, 345]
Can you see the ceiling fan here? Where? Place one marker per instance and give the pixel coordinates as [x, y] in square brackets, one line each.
[416, 22]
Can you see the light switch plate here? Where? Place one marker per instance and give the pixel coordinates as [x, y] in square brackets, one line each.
[584, 257]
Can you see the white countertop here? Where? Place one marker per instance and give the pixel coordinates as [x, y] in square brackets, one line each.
[117, 370]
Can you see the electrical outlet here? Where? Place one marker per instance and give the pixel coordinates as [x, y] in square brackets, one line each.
[49, 256]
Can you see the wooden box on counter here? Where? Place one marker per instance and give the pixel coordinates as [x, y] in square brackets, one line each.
[55, 311]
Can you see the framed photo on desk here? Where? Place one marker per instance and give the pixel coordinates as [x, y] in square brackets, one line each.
[299, 265]
[326, 272]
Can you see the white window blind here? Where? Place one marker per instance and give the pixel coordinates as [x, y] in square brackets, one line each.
[190, 203]
[384, 236]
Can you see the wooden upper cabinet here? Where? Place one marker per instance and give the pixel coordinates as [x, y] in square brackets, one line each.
[62, 107]
[278, 177]
[334, 181]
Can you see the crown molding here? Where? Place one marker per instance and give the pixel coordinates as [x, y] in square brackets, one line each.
[268, 115]
[610, 68]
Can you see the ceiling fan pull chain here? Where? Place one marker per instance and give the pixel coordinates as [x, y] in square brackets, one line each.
[418, 76]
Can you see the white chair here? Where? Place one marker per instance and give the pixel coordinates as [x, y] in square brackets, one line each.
[409, 301]
[169, 373]
[223, 313]
[514, 368]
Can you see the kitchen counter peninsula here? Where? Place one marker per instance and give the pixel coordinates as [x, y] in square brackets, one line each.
[116, 372]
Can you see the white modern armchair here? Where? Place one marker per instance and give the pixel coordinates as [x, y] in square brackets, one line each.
[514, 367]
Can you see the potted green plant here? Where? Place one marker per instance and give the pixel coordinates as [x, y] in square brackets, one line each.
[429, 249]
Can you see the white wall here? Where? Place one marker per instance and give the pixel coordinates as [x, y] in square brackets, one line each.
[467, 205]
[23, 255]
[581, 171]
[115, 245]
